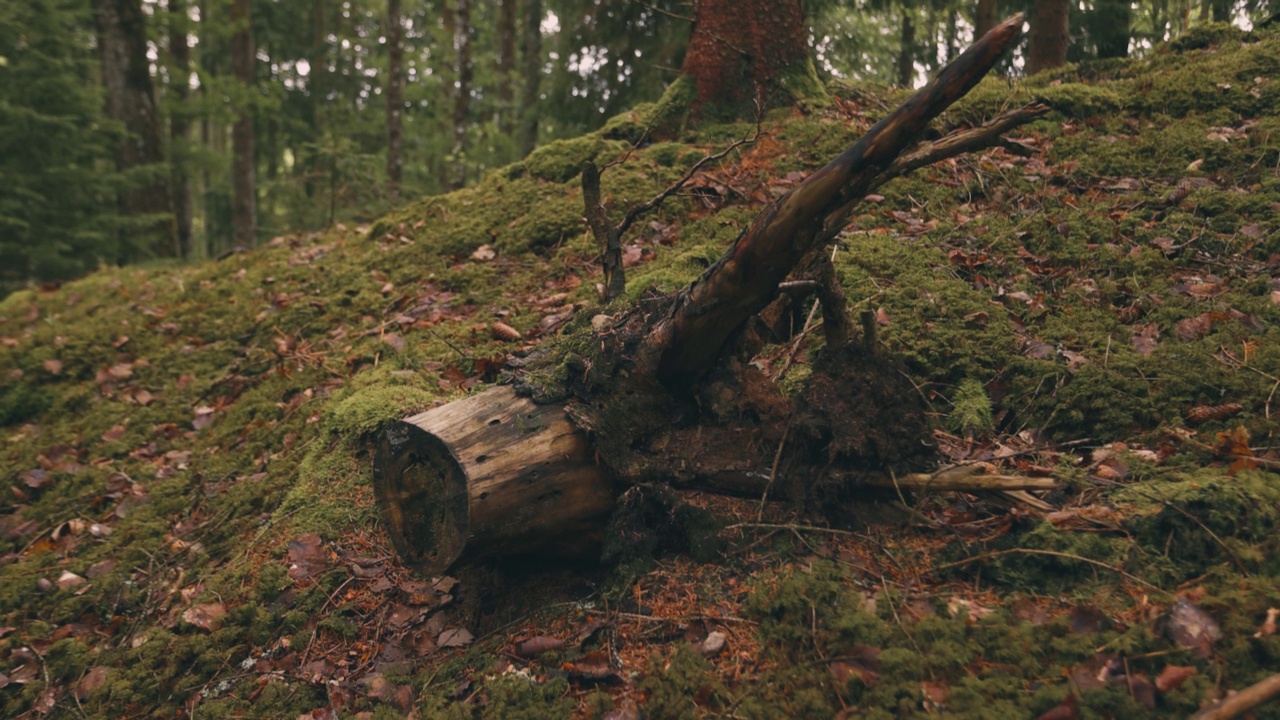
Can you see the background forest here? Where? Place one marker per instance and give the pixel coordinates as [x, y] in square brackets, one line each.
[142, 129]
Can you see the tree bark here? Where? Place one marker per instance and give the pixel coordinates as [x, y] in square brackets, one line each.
[395, 97]
[984, 19]
[740, 50]
[180, 125]
[506, 64]
[907, 50]
[1111, 20]
[1221, 10]
[491, 474]
[131, 100]
[1049, 35]
[462, 100]
[245, 202]
[530, 74]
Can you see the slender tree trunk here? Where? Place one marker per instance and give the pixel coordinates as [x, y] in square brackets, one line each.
[462, 101]
[506, 64]
[317, 90]
[1110, 27]
[907, 50]
[1221, 10]
[131, 100]
[180, 124]
[1047, 40]
[395, 97]
[984, 19]
[741, 49]
[530, 74]
[953, 39]
[244, 203]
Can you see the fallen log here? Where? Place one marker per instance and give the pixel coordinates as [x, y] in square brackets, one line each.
[490, 474]
[496, 473]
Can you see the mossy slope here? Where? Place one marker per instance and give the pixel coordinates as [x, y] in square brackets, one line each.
[166, 432]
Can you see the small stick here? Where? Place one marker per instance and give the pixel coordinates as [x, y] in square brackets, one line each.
[1049, 553]
[870, 331]
[1243, 701]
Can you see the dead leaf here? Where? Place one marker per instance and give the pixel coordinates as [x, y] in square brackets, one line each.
[1190, 329]
[484, 253]
[1172, 676]
[204, 416]
[113, 433]
[1193, 628]
[594, 666]
[1233, 445]
[307, 557]
[53, 366]
[206, 616]
[1068, 709]
[1146, 338]
[69, 580]
[92, 680]
[538, 645]
[455, 637]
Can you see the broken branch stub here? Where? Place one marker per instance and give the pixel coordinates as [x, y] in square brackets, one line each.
[686, 344]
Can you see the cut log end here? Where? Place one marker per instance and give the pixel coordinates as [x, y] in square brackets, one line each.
[422, 494]
[491, 474]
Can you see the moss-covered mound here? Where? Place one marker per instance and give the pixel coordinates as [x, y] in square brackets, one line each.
[189, 528]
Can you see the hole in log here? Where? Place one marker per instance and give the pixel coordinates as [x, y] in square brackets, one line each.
[495, 421]
[484, 496]
[481, 458]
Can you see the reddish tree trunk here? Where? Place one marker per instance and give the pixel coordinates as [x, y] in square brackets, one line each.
[739, 48]
[131, 100]
[985, 18]
[244, 205]
[395, 97]
[1047, 41]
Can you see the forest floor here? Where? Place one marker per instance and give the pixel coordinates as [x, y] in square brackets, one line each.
[190, 529]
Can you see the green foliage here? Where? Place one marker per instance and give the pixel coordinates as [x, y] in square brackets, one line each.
[57, 180]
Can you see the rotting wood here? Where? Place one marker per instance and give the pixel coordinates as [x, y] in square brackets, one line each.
[489, 474]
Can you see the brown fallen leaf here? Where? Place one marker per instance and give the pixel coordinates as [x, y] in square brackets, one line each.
[91, 681]
[455, 637]
[1268, 627]
[538, 645]
[594, 666]
[1194, 328]
[1172, 676]
[113, 433]
[483, 253]
[52, 366]
[206, 616]
[307, 556]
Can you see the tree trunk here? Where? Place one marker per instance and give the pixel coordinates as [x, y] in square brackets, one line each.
[245, 202]
[907, 50]
[131, 100]
[1221, 10]
[1111, 20]
[462, 100]
[395, 97]
[1047, 41]
[180, 125]
[984, 19]
[506, 64]
[490, 474]
[741, 51]
[530, 74]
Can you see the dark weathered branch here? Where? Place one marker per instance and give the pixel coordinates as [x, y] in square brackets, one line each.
[609, 237]
[686, 343]
[1243, 701]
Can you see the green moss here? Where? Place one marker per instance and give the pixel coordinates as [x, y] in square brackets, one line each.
[680, 686]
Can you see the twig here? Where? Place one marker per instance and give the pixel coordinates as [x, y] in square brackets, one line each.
[1243, 701]
[773, 473]
[1048, 553]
